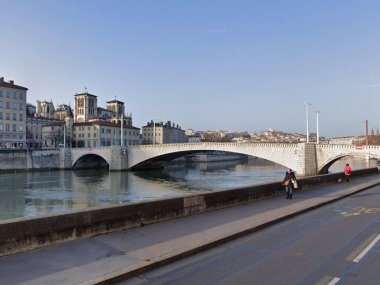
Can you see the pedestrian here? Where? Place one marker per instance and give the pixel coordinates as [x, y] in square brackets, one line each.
[289, 182]
[378, 166]
[347, 172]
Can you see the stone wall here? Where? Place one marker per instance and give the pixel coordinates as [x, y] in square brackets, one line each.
[24, 160]
[13, 160]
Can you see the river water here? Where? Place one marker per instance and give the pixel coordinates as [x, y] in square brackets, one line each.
[31, 194]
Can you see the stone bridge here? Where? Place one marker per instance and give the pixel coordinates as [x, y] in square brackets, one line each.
[305, 158]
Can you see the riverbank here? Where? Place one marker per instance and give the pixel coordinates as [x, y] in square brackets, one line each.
[25, 234]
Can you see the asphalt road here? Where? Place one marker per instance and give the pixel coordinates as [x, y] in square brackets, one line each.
[334, 244]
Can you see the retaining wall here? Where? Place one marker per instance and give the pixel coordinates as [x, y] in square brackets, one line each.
[29, 160]
[28, 233]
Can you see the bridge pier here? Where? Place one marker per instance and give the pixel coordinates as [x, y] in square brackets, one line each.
[119, 159]
[306, 160]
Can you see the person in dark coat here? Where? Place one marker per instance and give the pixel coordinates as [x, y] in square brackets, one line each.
[289, 178]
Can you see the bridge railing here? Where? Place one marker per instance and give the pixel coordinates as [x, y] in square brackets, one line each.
[278, 145]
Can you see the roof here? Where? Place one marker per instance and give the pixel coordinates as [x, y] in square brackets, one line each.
[104, 123]
[10, 84]
[115, 101]
[87, 94]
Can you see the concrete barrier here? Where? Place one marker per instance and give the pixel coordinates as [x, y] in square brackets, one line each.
[29, 233]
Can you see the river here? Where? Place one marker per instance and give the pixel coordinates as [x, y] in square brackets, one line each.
[31, 194]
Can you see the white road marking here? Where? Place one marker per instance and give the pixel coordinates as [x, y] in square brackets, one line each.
[334, 281]
[367, 249]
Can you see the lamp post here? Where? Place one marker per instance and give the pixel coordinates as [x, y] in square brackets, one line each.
[121, 129]
[317, 113]
[64, 135]
[307, 121]
[154, 132]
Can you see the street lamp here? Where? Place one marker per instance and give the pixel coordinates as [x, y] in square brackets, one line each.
[121, 129]
[307, 121]
[154, 132]
[317, 113]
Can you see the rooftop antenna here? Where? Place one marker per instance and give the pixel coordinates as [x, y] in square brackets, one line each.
[85, 89]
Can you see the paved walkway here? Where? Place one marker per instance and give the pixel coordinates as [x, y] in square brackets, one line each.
[105, 258]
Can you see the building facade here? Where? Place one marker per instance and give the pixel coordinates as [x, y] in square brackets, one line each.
[12, 115]
[163, 133]
[98, 133]
[53, 134]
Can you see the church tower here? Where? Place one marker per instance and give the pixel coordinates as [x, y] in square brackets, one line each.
[86, 106]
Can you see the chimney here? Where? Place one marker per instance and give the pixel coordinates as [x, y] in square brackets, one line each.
[11, 82]
[2, 79]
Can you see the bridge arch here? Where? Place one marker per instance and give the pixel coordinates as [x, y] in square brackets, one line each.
[141, 156]
[327, 164]
[90, 160]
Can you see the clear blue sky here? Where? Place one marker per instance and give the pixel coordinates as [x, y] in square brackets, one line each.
[204, 64]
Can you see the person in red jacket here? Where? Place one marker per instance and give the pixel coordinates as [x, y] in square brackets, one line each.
[347, 172]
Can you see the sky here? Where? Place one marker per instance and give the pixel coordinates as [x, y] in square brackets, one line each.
[231, 65]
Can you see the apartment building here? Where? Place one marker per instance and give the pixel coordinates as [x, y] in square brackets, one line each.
[99, 133]
[12, 115]
[163, 133]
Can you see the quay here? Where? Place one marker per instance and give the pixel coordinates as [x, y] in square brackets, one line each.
[120, 254]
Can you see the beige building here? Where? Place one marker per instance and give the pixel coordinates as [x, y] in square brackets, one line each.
[12, 115]
[163, 133]
[98, 133]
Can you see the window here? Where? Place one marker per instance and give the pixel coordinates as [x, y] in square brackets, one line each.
[14, 105]
[8, 105]
[21, 96]
[14, 117]
[8, 94]
[7, 116]
[1, 126]
[94, 135]
[21, 117]
[14, 127]
[1, 93]
[1, 104]
[14, 95]
[1, 115]
[20, 128]
[21, 106]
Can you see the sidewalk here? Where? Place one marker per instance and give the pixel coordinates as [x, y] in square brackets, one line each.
[114, 256]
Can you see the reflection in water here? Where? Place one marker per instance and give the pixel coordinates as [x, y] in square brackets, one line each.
[30, 194]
